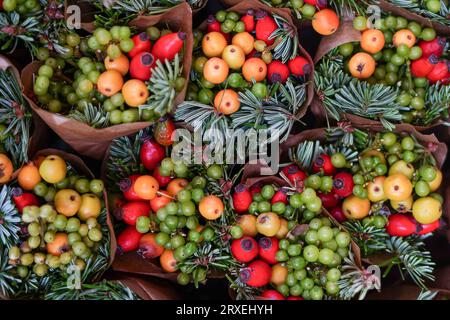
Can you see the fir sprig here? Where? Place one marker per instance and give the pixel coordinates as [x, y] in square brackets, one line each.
[8, 280]
[124, 158]
[356, 281]
[276, 114]
[305, 153]
[344, 7]
[103, 290]
[286, 40]
[93, 116]
[10, 220]
[369, 238]
[340, 94]
[162, 85]
[411, 257]
[15, 113]
[15, 29]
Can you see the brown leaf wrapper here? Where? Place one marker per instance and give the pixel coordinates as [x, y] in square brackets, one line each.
[81, 168]
[93, 142]
[148, 288]
[241, 7]
[438, 150]
[345, 34]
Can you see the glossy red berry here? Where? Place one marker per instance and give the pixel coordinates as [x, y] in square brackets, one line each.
[268, 248]
[256, 274]
[168, 46]
[244, 249]
[151, 154]
[329, 200]
[343, 184]
[280, 196]
[242, 198]
[440, 71]
[128, 239]
[321, 4]
[265, 27]
[299, 66]
[294, 174]
[294, 298]
[164, 131]
[141, 44]
[162, 181]
[127, 187]
[23, 199]
[420, 68]
[256, 188]
[435, 47]
[249, 20]
[277, 71]
[401, 225]
[323, 164]
[272, 295]
[131, 211]
[213, 24]
[428, 228]
[141, 66]
[338, 214]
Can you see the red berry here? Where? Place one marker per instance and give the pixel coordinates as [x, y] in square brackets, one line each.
[299, 66]
[128, 240]
[265, 26]
[420, 68]
[168, 46]
[23, 199]
[141, 44]
[400, 225]
[249, 21]
[343, 184]
[164, 131]
[127, 187]
[242, 198]
[428, 228]
[280, 196]
[162, 181]
[277, 71]
[256, 274]
[294, 174]
[338, 214]
[323, 163]
[151, 154]
[256, 188]
[244, 249]
[213, 24]
[440, 71]
[329, 200]
[131, 211]
[272, 295]
[141, 66]
[148, 248]
[294, 298]
[435, 47]
[268, 248]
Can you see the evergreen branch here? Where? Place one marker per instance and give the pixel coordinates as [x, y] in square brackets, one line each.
[9, 219]
[15, 114]
[14, 30]
[93, 116]
[104, 290]
[286, 40]
[370, 239]
[427, 295]
[162, 85]
[437, 102]
[411, 257]
[124, 158]
[355, 281]
[305, 154]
